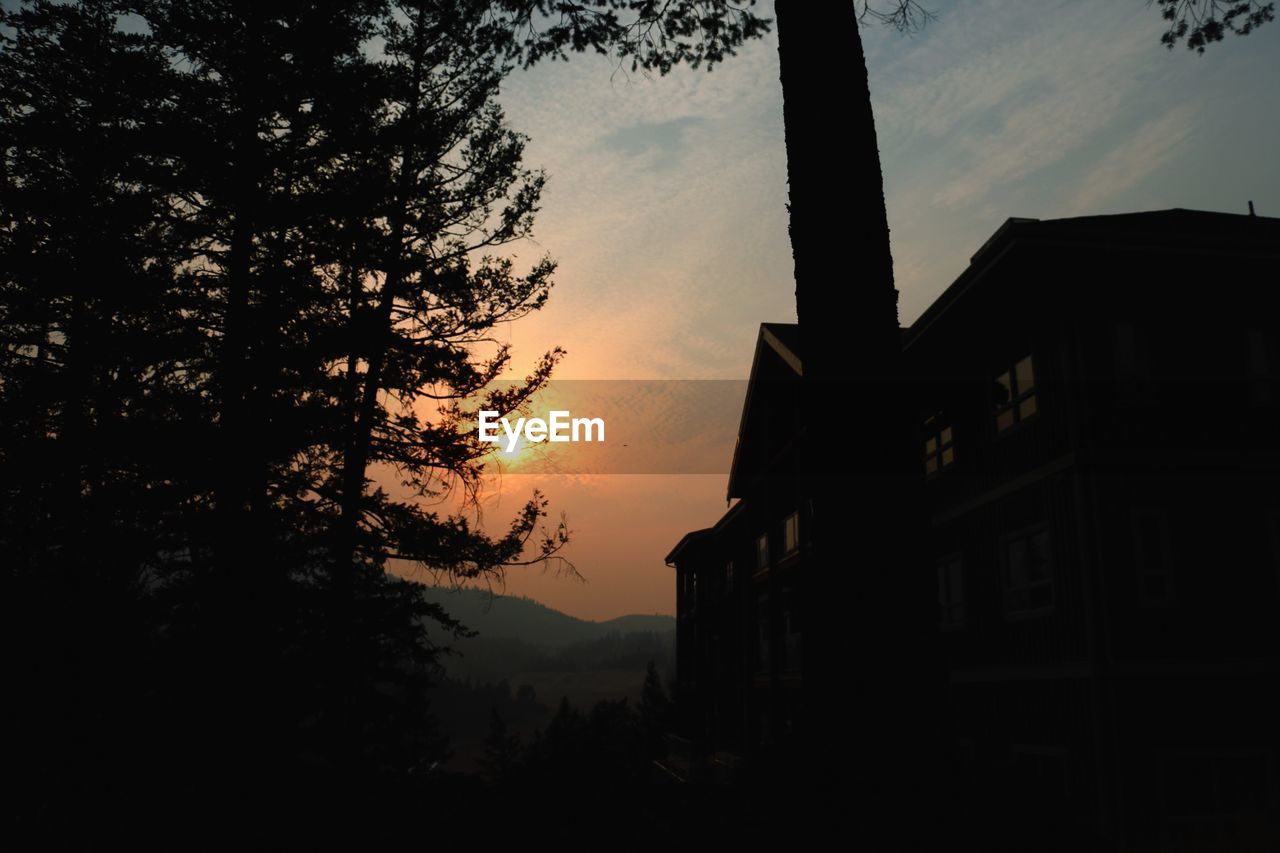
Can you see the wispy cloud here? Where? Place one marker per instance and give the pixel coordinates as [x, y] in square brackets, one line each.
[1048, 109]
[1005, 109]
[661, 143]
[1147, 152]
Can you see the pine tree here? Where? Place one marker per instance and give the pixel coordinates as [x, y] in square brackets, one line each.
[501, 749]
[211, 234]
[250, 261]
[655, 713]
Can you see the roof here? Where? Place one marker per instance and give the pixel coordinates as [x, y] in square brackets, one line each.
[685, 541]
[691, 539]
[783, 341]
[1176, 229]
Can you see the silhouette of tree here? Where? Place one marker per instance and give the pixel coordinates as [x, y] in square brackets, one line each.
[242, 255]
[95, 466]
[655, 713]
[501, 749]
[251, 268]
[1202, 22]
[559, 752]
[646, 35]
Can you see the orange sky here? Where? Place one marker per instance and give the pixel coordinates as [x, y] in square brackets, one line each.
[622, 525]
[661, 471]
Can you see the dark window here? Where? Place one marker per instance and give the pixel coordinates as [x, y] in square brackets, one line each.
[791, 533]
[728, 576]
[1153, 556]
[791, 627]
[762, 551]
[1028, 571]
[951, 592]
[1015, 394]
[939, 447]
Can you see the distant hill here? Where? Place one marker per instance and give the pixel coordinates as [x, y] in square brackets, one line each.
[535, 624]
[527, 657]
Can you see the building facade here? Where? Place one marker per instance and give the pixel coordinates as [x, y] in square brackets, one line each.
[1099, 405]
[738, 631]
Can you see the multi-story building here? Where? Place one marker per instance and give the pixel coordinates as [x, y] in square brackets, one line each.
[738, 629]
[1099, 400]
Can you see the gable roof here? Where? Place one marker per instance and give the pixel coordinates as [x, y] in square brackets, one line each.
[687, 541]
[784, 339]
[778, 344]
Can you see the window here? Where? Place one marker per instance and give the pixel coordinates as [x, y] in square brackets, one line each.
[728, 576]
[951, 592]
[762, 552]
[1264, 367]
[1028, 572]
[1015, 394]
[1153, 556]
[791, 627]
[791, 533]
[939, 451]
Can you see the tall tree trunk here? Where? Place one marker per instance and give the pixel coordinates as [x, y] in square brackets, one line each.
[869, 606]
[235, 548]
[235, 623]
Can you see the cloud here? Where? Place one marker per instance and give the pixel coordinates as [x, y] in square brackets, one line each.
[1153, 147]
[661, 143]
[665, 208]
[1016, 107]
[1047, 109]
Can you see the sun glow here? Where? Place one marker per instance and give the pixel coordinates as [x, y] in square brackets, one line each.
[522, 449]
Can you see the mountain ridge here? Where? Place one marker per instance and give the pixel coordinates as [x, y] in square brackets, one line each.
[502, 617]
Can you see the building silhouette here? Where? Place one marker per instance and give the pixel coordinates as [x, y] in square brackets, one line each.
[1099, 406]
[738, 631]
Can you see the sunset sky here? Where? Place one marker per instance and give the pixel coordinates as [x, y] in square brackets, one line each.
[665, 208]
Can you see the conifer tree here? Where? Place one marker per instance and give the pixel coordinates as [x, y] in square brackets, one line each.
[501, 749]
[655, 713]
[251, 258]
